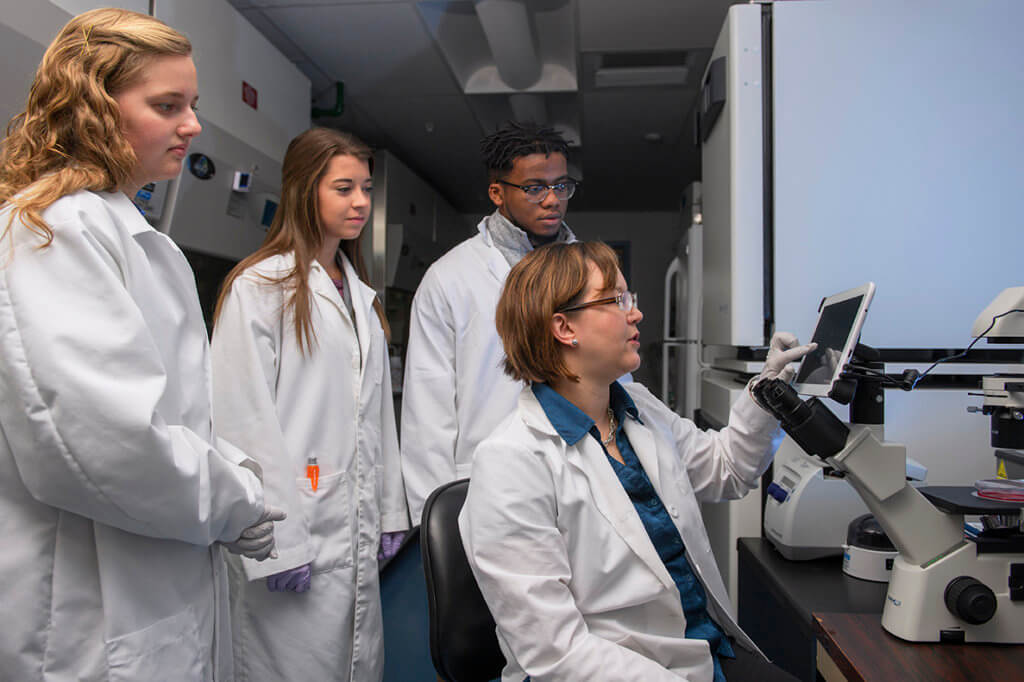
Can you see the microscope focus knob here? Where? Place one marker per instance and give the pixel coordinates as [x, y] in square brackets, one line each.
[970, 599]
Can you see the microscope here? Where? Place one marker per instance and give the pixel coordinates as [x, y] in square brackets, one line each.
[946, 585]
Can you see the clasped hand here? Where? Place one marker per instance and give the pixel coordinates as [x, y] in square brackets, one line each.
[257, 541]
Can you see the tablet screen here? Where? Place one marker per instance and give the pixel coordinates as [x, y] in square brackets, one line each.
[835, 324]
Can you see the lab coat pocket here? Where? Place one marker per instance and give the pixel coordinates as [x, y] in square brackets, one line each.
[328, 512]
[169, 649]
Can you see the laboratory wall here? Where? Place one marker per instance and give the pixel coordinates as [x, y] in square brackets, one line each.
[212, 218]
[22, 39]
[412, 225]
[74, 7]
[227, 51]
[422, 224]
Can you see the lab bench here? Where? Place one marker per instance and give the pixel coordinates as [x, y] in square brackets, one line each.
[809, 616]
[778, 597]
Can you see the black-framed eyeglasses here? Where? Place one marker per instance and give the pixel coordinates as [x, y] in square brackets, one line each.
[537, 193]
[626, 300]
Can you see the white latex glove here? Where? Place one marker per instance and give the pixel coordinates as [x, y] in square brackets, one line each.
[783, 350]
[257, 541]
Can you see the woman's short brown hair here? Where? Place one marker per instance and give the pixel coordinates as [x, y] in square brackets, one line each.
[547, 279]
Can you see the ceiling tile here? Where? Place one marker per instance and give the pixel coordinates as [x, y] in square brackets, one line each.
[377, 49]
[447, 155]
[616, 120]
[612, 25]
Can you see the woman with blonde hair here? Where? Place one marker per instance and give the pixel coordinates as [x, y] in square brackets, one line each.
[112, 492]
[302, 382]
[582, 523]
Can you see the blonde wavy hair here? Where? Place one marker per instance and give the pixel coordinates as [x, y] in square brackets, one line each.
[69, 136]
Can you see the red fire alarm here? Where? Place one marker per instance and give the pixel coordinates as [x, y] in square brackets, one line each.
[249, 95]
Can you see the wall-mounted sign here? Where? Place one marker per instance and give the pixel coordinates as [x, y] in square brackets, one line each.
[249, 95]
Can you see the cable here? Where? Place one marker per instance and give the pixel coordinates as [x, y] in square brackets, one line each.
[960, 355]
[875, 372]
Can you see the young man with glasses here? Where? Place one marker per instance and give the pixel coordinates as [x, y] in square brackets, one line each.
[454, 392]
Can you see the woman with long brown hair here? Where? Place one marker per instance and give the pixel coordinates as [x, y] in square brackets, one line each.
[112, 492]
[302, 382]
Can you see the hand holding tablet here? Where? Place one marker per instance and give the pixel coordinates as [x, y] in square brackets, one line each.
[840, 318]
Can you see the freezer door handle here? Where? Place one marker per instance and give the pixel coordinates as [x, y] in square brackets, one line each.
[712, 98]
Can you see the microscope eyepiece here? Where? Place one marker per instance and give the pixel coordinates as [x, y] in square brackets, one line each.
[810, 424]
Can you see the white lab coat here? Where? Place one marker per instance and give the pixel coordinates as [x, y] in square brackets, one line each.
[575, 585]
[455, 392]
[283, 407]
[110, 492]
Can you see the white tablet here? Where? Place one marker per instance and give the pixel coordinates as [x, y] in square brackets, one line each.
[840, 318]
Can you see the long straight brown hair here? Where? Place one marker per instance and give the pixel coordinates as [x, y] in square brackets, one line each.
[296, 227]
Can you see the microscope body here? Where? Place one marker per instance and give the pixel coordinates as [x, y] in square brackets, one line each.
[943, 586]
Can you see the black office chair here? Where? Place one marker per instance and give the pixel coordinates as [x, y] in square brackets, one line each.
[463, 645]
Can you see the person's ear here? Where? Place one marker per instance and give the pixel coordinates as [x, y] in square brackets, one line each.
[563, 330]
[495, 193]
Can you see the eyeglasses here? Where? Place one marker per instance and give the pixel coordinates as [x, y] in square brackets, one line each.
[626, 300]
[537, 193]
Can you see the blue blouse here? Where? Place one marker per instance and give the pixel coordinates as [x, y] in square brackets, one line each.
[572, 424]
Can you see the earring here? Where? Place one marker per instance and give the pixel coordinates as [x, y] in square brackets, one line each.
[575, 343]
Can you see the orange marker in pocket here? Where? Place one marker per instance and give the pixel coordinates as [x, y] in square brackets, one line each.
[312, 472]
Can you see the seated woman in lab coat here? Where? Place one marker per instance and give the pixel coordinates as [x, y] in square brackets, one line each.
[302, 382]
[582, 523]
[113, 491]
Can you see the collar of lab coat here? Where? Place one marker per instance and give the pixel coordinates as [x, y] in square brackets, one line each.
[134, 221]
[496, 263]
[493, 258]
[362, 297]
[588, 457]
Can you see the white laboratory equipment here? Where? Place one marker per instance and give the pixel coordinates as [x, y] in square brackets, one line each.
[820, 163]
[810, 507]
[947, 584]
[680, 361]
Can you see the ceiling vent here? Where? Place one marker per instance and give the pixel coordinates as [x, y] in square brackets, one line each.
[642, 69]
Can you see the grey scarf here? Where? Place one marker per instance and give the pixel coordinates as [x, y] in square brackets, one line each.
[512, 242]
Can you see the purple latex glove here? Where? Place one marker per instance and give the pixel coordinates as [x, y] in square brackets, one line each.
[389, 544]
[293, 580]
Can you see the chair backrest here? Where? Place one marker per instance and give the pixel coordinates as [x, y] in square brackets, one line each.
[463, 644]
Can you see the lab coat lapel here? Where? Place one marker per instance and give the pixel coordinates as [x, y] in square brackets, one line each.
[646, 449]
[321, 284]
[614, 504]
[362, 303]
[497, 266]
[128, 212]
[588, 457]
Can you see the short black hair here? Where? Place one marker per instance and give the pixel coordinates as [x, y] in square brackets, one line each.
[517, 139]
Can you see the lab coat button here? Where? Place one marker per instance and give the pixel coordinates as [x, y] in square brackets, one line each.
[673, 511]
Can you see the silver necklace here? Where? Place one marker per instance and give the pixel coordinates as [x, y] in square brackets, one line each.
[611, 428]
